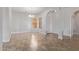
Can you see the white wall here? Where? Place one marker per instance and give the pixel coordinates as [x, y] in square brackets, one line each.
[20, 22]
[62, 23]
[68, 22]
[75, 22]
[48, 25]
[0, 24]
[56, 24]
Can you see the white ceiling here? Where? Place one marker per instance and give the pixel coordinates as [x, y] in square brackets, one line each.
[18, 9]
[30, 10]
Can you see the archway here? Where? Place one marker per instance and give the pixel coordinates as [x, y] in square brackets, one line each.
[50, 21]
[75, 22]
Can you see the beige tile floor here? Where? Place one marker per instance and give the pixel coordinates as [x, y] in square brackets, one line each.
[40, 42]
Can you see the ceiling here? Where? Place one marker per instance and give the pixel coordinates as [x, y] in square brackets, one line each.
[30, 10]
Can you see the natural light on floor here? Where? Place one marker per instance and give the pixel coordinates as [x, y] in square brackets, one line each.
[33, 44]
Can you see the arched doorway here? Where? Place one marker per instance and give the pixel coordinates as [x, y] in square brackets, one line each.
[50, 21]
[75, 22]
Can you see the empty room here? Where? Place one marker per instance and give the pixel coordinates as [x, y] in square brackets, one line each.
[39, 29]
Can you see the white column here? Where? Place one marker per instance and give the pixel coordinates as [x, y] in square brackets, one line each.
[6, 24]
[10, 22]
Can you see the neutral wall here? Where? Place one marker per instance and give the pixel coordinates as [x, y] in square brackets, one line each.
[20, 22]
[1, 24]
[75, 22]
[62, 22]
